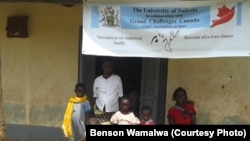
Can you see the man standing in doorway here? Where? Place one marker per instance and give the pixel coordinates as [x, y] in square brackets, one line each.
[106, 92]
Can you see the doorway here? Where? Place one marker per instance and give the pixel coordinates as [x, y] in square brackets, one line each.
[129, 69]
[148, 74]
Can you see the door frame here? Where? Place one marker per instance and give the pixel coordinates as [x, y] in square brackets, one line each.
[153, 85]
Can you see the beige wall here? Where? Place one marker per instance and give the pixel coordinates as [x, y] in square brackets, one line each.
[219, 87]
[39, 72]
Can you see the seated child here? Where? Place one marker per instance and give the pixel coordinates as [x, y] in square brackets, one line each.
[124, 116]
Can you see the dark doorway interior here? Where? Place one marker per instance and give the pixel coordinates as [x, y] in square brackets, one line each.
[129, 69]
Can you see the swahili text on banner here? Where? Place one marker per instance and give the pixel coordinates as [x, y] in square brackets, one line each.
[166, 29]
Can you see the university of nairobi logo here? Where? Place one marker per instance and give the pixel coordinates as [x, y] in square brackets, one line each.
[109, 17]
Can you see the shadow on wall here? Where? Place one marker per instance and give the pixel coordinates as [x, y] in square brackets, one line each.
[33, 133]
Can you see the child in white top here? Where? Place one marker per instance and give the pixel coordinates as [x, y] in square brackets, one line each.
[124, 116]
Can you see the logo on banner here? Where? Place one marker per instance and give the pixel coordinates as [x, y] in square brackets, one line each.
[109, 17]
[225, 15]
[165, 40]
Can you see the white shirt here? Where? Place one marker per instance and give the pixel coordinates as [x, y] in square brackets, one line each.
[124, 119]
[107, 91]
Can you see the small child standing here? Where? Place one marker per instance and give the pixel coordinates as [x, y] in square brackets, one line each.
[76, 114]
[146, 113]
[124, 116]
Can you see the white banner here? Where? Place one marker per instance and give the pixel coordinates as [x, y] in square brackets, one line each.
[167, 29]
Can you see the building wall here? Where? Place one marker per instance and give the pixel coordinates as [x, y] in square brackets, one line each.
[218, 86]
[39, 72]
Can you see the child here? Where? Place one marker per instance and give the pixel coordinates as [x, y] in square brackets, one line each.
[146, 113]
[124, 116]
[77, 112]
